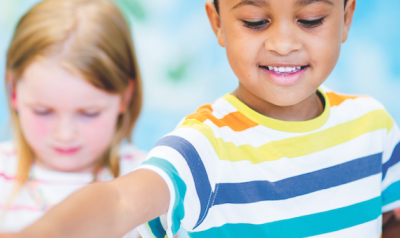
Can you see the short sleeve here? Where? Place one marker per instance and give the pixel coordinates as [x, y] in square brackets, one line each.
[391, 171]
[187, 161]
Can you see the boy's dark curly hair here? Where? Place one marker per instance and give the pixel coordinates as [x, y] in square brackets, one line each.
[217, 4]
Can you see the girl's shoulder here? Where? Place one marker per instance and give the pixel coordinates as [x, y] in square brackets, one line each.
[130, 157]
[8, 158]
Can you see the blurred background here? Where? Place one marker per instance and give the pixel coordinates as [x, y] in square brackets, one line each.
[183, 67]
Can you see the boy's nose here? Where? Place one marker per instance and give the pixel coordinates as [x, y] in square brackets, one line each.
[65, 130]
[282, 39]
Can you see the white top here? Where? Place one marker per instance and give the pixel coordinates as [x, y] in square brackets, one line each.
[48, 188]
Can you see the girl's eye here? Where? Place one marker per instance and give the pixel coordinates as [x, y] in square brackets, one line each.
[90, 114]
[255, 25]
[311, 24]
[42, 112]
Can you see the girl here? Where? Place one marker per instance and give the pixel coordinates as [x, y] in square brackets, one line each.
[74, 91]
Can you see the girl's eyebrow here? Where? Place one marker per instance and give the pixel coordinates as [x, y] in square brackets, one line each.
[257, 3]
[307, 2]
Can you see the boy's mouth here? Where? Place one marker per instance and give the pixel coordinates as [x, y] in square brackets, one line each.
[284, 76]
[284, 70]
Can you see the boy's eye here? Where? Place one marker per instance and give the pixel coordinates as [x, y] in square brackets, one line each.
[42, 112]
[311, 24]
[255, 25]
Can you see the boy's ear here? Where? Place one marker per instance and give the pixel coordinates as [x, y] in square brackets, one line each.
[215, 22]
[348, 18]
[127, 96]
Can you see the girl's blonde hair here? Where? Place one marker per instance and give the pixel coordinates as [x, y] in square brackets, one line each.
[90, 38]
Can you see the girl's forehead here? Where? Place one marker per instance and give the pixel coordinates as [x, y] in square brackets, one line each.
[48, 82]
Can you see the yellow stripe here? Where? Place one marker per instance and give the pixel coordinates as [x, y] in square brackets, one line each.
[287, 126]
[203, 129]
[306, 144]
[149, 230]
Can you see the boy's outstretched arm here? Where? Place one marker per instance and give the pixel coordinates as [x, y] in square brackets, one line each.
[107, 210]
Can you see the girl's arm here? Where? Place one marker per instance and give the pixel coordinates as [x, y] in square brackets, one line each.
[107, 210]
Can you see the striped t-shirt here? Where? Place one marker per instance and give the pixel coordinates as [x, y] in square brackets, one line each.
[233, 172]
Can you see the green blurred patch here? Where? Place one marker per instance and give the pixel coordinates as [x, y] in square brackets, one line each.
[178, 73]
[133, 8]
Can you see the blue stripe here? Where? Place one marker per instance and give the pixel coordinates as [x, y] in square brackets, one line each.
[304, 226]
[256, 191]
[392, 161]
[157, 228]
[197, 168]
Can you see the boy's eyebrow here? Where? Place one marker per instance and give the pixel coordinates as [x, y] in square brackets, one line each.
[307, 2]
[257, 3]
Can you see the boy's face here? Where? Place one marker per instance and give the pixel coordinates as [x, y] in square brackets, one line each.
[281, 50]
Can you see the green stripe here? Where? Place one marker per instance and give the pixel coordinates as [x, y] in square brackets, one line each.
[178, 211]
[391, 194]
[310, 225]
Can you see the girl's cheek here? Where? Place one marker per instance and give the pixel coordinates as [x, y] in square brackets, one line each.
[35, 128]
[98, 132]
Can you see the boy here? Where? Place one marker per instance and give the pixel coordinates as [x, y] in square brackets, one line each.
[280, 157]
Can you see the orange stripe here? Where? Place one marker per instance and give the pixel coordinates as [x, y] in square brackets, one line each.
[337, 99]
[235, 120]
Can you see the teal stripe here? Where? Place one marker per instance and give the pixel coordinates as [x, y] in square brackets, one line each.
[156, 228]
[178, 211]
[310, 225]
[391, 194]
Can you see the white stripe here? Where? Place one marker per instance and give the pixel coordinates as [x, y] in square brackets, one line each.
[256, 136]
[171, 188]
[391, 207]
[144, 232]
[191, 200]
[270, 211]
[204, 149]
[392, 176]
[221, 108]
[371, 229]
[393, 139]
[244, 171]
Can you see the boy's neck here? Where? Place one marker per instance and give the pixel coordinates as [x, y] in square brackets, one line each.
[308, 109]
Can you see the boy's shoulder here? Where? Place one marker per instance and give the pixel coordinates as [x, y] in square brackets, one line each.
[337, 99]
[225, 112]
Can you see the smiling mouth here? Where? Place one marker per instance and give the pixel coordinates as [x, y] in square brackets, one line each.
[284, 70]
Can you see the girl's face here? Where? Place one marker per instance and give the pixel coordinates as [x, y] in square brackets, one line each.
[67, 121]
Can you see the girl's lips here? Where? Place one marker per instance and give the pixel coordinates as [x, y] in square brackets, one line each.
[68, 151]
[285, 79]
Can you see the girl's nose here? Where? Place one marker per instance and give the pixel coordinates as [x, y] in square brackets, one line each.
[282, 39]
[65, 130]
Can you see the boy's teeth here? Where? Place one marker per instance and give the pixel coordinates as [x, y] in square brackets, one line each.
[284, 69]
